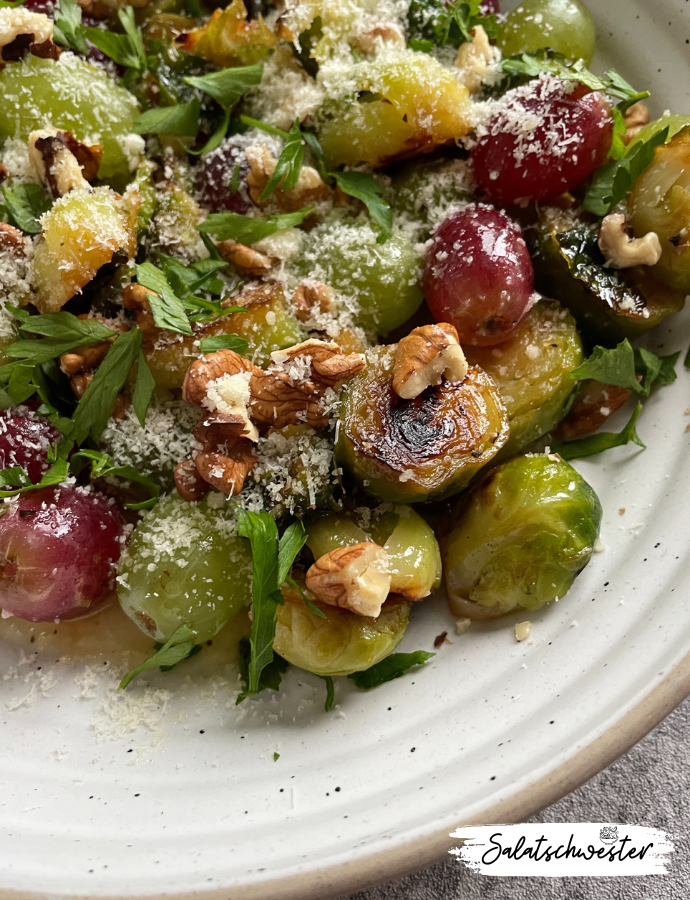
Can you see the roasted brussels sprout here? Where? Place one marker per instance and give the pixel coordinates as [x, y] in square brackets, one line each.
[406, 451]
[341, 643]
[426, 189]
[229, 39]
[380, 279]
[608, 305]
[660, 202]
[521, 537]
[185, 565]
[532, 370]
[413, 553]
[68, 93]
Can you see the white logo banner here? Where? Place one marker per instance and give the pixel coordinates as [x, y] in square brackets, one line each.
[555, 850]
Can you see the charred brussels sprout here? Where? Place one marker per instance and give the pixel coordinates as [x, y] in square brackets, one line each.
[608, 304]
[660, 202]
[532, 372]
[413, 552]
[341, 643]
[521, 537]
[184, 565]
[407, 451]
[425, 189]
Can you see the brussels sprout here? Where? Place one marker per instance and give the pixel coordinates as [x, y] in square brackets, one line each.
[429, 448]
[521, 537]
[228, 39]
[413, 552]
[145, 186]
[608, 305]
[565, 26]
[393, 107]
[425, 190]
[185, 565]
[68, 93]
[660, 202]
[82, 232]
[341, 643]
[268, 325]
[532, 370]
[174, 224]
[382, 279]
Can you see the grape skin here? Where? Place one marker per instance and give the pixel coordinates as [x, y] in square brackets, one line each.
[24, 441]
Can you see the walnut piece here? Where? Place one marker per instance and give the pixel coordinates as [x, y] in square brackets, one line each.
[11, 239]
[621, 251]
[62, 162]
[210, 368]
[474, 58]
[327, 362]
[386, 34]
[424, 357]
[356, 578]
[85, 358]
[313, 298]
[635, 120]
[310, 187]
[189, 483]
[22, 31]
[245, 259]
[227, 470]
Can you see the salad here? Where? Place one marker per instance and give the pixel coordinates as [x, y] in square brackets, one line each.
[307, 307]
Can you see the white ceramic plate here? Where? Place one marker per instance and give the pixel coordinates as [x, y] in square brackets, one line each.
[490, 730]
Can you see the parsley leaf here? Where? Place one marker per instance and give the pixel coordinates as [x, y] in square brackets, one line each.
[67, 28]
[271, 675]
[289, 165]
[24, 205]
[62, 332]
[330, 692]
[167, 308]
[247, 230]
[435, 22]
[655, 369]
[125, 49]
[223, 342]
[621, 365]
[366, 188]
[102, 466]
[143, 390]
[605, 440]
[613, 182]
[393, 666]
[18, 481]
[420, 45]
[293, 539]
[234, 183]
[178, 648]
[180, 120]
[228, 85]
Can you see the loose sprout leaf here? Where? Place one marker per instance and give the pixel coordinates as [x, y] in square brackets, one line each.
[393, 666]
[62, 332]
[179, 647]
[271, 676]
[616, 366]
[223, 342]
[143, 390]
[292, 541]
[605, 440]
[246, 230]
[289, 165]
[330, 692]
[125, 49]
[167, 308]
[96, 406]
[228, 85]
[180, 120]
[102, 466]
[24, 205]
[67, 28]
[366, 188]
[613, 182]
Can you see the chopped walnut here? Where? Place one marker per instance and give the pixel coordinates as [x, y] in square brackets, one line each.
[189, 483]
[228, 470]
[356, 578]
[11, 239]
[245, 259]
[61, 161]
[635, 120]
[85, 358]
[210, 368]
[22, 32]
[424, 357]
[327, 363]
[474, 58]
[310, 187]
[313, 298]
[80, 382]
[621, 251]
[136, 298]
[386, 34]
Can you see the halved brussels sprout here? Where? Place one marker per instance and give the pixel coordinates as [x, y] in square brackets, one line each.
[407, 451]
[608, 304]
[267, 325]
[185, 565]
[394, 107]
[82, 232]
[68, 93]
[522, 536]
[381, 279]
[176, 215]
[532, 370]
[341, 643]
[426, 189]
[660, 202]
[229, 39]
[413, 552]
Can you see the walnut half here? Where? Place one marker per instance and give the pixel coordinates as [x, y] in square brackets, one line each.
[424, 357]
[357, 578]
[621, 251]
[61, 161]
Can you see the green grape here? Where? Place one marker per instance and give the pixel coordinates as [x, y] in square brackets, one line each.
[185, 565]
[565, 26]
[68, 93]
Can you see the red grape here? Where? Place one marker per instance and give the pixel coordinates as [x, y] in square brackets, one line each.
[541, 139]
[58, 551]
[214, 173]
[479, 276]
[489, 7]
[24, 441]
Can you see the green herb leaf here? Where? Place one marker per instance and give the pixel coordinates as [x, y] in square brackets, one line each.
[613, 182]
[11, 4]
[311, 606]
[330, 692]
[271, 675]
[96, 406]
[276, 757]
[246, 230]
[605, 440]
[420, 45]
[293, 539]
[289, 165]
[655, 369]
[102, 466]
[228, 85]
[19, 483]
[391, 667]
[125, 49]
[167, 308]
[24, 205]
[615, 366]
[223, 342]
[216, 138]
[234, 183]
[264, 126]
[455, 23]
[143, 390]
[62, 332]
[366, 188]
[180, 120]
[179, 647]
[67, 28]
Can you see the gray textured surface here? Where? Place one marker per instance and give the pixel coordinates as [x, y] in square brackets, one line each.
[648, 786]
